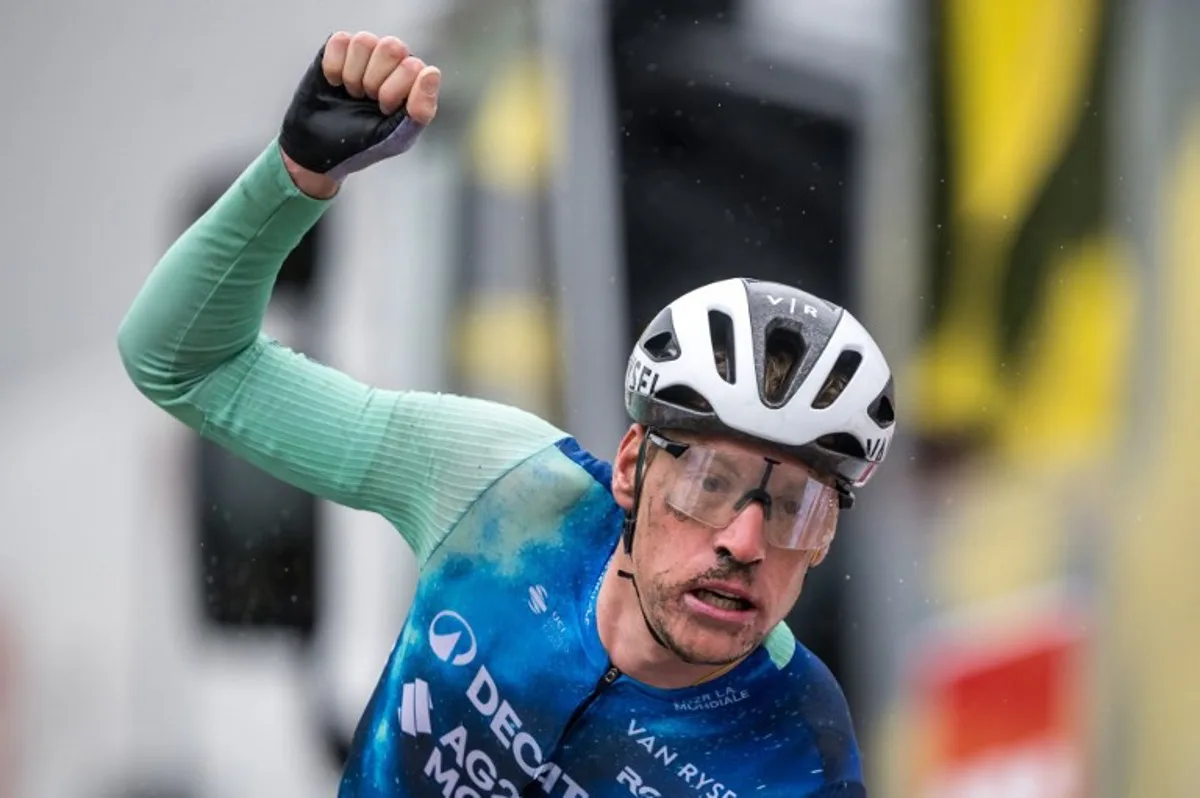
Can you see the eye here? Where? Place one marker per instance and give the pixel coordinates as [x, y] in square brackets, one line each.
[714, 484]
[790, 506]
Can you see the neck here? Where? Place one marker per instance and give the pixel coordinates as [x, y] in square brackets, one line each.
[628, 642]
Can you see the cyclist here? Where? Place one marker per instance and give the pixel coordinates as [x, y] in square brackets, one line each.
[580, 628]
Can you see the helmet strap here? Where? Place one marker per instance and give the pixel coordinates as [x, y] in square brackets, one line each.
[628, 527]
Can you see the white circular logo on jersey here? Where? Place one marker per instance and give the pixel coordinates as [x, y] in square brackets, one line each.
[451, 638]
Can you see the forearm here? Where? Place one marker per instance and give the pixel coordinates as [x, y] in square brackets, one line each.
[205, 300]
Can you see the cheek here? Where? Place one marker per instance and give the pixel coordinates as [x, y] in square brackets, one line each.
[661, 546]
[789, 575]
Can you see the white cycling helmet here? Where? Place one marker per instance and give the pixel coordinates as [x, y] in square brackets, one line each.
[702, 364]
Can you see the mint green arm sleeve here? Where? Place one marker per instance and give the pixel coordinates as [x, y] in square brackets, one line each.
[192, 342]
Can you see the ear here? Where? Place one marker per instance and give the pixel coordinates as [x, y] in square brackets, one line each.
[625, 466]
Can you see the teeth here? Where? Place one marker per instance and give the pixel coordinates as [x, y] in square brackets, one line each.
[721, 600]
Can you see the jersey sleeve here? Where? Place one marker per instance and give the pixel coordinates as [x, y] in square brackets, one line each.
[192, 342]
[830, 729]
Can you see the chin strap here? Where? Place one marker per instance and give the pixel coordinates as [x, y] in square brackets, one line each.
[627, 530]
[645, 618]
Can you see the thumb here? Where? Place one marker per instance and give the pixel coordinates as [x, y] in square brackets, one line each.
[423, 99]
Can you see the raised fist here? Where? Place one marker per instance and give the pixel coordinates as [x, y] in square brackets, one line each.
[363, 99]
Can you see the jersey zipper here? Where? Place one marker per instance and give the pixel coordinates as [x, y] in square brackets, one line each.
[610, 675]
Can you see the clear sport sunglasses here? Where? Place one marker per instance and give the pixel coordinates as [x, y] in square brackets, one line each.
[712, 486]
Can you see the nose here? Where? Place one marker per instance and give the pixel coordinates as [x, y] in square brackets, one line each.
[745, 539]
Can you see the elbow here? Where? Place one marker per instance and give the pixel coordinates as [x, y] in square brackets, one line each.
[136, 359]
[146, 366]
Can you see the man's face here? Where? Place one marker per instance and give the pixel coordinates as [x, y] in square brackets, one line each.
[712, 578]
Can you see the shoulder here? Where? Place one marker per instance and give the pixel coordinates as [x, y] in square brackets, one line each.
[559, 495]
[599, 470]
[810, 711]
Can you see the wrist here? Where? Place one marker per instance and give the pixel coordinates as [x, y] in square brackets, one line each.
[314, 184]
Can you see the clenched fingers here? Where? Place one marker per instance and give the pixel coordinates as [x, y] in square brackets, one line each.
[334, 58]
[358, 55]
[395, 89]
[382, 69]
[388, 54]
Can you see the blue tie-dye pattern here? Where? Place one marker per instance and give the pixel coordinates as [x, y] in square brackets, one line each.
[521, 570]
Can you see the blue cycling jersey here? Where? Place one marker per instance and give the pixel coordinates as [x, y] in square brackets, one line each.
[499, 684]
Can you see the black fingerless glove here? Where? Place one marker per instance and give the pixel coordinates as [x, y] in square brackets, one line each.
[327, 131]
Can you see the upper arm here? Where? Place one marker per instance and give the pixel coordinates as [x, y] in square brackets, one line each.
[418, 459]
[193, 343]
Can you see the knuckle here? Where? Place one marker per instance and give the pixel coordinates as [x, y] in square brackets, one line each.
[391, 46]
[365, 38]
[390, 101]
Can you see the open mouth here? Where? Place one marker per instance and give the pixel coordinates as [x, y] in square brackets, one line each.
[721, 600]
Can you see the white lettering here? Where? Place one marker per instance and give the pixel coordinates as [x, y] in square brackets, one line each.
[663, 753]
[484, 679]
[721, 698]
[548, 776]
[807, 310]
[481, 769]
[687, 772]
[478, 765]
[447, 778]
[640, 377]
[573, 789]
[531, 766]
[630, 778]
[505, 724]
[508, 787]
[456, 741]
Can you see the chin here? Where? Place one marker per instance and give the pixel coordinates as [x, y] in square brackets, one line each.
[698, 646]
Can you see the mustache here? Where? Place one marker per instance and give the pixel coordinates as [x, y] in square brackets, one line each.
[727, 570]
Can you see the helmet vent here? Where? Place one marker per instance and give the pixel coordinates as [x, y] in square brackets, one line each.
[684, 397]
[842, 443]
[839, 377]
[720, 326]
[659, 341]
[881, 411]
[662, 346]
[782, 351]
